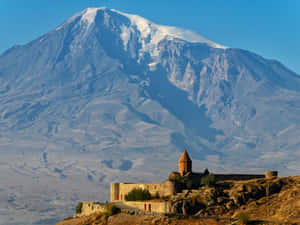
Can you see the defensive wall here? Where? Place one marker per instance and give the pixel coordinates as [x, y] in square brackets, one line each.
[162, 207]
[222, 177]
[119, 190]
[89, 208]
[267, 175]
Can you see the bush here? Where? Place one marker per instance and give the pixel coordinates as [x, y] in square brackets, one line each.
[110, 209]
[208, 180]
[243, 218]
[175, 177]
[138, 194]
[206, 172]
[78, 208]
[157, 196]
[189, 184]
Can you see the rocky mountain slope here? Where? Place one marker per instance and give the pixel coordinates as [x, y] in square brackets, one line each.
[109, 96]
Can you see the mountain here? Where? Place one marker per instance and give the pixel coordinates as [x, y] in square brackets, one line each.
[109, 96]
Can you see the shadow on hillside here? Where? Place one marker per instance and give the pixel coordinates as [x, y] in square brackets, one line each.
[177, 103]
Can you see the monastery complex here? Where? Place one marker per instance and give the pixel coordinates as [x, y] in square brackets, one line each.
[171, 187]
[179, 184]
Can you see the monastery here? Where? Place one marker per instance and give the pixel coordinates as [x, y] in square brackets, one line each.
[183, 180]
[171, 187]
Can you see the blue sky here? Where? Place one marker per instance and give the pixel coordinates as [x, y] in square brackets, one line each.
[270, 28]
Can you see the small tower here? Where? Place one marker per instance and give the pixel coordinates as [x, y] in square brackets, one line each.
[184, 164]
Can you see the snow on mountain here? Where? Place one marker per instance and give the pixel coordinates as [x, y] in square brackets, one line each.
[150, 34]
[109, 96]
[156, 33]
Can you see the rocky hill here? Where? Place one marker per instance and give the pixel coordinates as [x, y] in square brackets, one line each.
[126, 219]
[272, 201]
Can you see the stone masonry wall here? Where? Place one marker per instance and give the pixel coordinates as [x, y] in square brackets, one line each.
[221, 177]
[119, 190]
[150, 206]
[89, 208]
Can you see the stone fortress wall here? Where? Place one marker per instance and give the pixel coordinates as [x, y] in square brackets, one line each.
[267, 175]
[161, 207]
[271, 174]
[119, 190]
[89, 208]
[223, 177]
[149, 207]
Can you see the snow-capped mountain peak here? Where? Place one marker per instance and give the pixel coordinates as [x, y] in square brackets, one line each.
[149, 33]
[89, 15]
[160, 32]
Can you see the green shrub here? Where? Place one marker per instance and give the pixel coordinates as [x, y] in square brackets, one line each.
[243, 218]
[208, 180]
[78, 208]
[175, 177]
[206, 172]
[138, 194]
[110, 209]
[157, 196]
[189, 184]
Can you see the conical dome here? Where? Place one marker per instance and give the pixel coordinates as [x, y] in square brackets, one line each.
[184, 164]
[185, 157]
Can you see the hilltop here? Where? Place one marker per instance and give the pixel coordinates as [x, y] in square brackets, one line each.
[274, 200]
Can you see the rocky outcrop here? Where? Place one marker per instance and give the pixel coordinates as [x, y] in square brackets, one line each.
[186, 207]
[266, 199]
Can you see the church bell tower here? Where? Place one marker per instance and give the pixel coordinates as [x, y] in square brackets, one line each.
[184, 164]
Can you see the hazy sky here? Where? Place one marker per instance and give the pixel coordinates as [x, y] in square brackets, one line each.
[270, 28]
